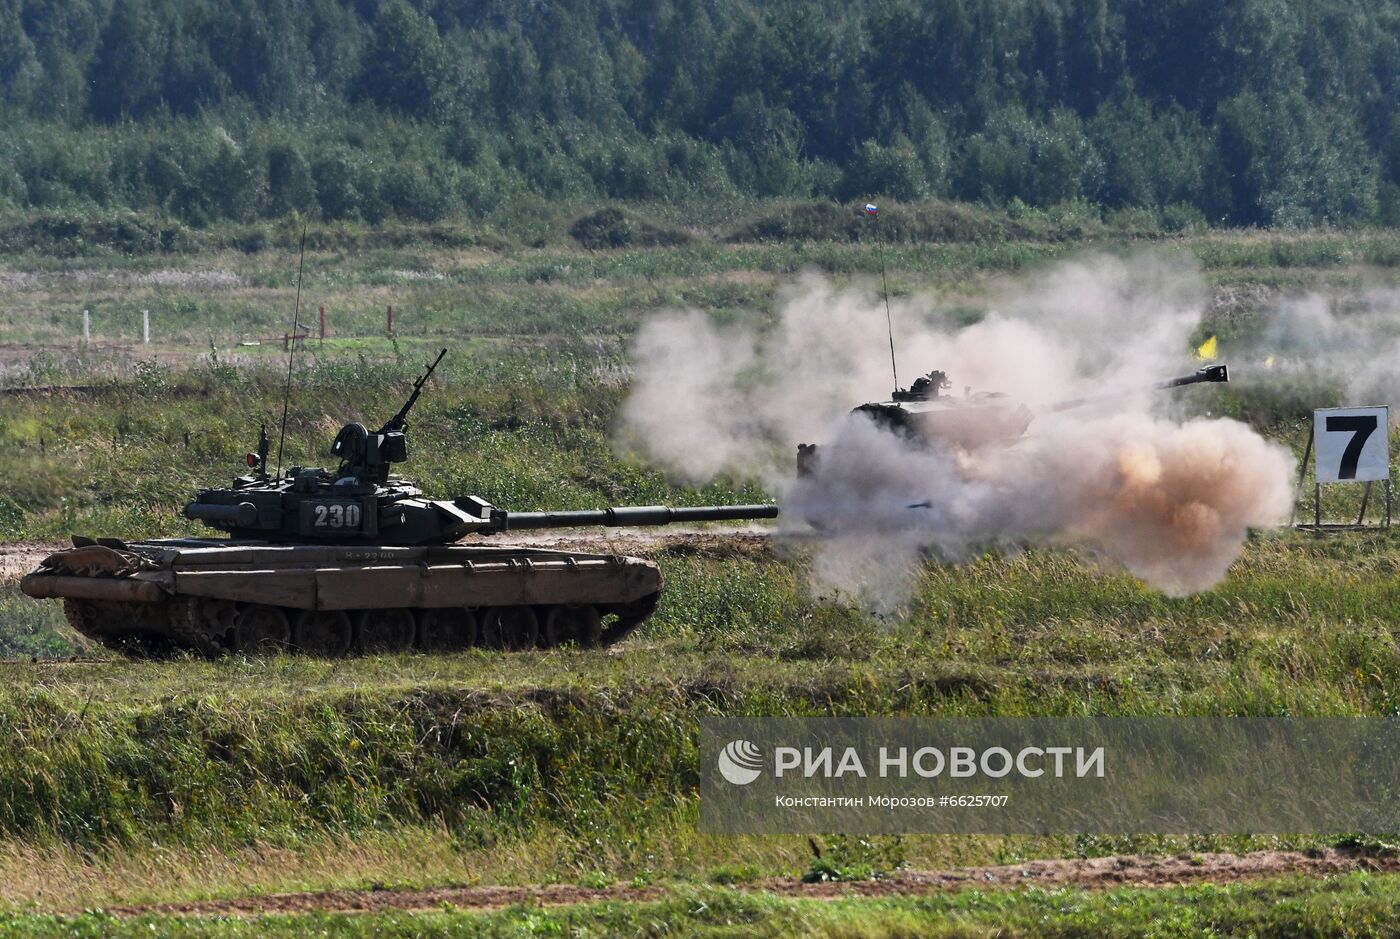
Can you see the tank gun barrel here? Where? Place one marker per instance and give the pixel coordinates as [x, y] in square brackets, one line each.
[1208, 373]
[631, 515]
[400, 420]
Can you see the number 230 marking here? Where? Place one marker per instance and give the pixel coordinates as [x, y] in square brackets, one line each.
[337, 516]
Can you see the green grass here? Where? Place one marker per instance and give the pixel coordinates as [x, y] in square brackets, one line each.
[230, 297]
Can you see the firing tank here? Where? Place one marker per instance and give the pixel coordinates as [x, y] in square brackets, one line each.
[330, 562]
[922, 414]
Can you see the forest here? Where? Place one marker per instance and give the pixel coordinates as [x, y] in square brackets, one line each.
[1277, 113]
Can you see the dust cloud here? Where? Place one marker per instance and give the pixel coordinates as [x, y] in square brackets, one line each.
[1347, 343]
[1169, 500]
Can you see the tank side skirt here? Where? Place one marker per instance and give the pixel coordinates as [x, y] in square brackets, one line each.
[430, 586]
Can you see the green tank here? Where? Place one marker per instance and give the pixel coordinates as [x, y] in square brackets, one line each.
[355, 559]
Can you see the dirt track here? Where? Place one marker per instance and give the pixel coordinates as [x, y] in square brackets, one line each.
[18, 558]
[1092, 873]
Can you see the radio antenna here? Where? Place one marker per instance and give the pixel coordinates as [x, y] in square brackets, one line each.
[291, 351]
[872, 210]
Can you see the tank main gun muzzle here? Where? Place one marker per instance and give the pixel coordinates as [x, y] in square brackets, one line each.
[1209, 373]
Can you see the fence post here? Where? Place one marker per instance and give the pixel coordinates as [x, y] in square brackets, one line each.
[389, 327]
[87, 328]
[145, 327]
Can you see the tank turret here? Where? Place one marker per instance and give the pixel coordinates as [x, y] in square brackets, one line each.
[360, 502]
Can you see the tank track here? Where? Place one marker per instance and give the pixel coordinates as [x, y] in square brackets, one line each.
[122, 627]
[207, 627]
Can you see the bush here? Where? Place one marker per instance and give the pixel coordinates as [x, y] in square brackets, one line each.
[848, 858]
[611, 227]
[605, 228]
[66, 235]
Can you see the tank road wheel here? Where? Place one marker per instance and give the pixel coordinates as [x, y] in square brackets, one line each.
[261, 630]
[324, 633]
[577, 624]
[200, 625]
[446, 630]
[510, 627]
[380, 631]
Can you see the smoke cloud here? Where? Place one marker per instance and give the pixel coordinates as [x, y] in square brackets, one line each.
[1351, 342]
[1169, 500]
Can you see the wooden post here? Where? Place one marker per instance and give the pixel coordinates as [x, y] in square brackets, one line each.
[1365, 501]
[389, 326]
[87, 328]
[323, 325]
[1302, 475]
[145, 327]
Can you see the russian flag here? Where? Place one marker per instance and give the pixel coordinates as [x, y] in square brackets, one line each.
[872, 209]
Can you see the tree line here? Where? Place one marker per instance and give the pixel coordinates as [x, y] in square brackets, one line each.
[1253, 112]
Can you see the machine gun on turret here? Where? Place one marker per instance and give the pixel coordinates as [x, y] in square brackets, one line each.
[399, 422]
[365, 456]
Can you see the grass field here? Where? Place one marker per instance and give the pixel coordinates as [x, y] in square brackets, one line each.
[138, 782]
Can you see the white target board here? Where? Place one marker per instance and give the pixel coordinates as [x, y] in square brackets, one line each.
[1351, 444]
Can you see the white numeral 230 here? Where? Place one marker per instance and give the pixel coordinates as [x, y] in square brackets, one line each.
[337, 516]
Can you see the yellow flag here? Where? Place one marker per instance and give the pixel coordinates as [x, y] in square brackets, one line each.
[1269, 362]
[1207, 349]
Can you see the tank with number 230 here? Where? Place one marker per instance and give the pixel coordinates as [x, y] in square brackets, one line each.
[330, 562]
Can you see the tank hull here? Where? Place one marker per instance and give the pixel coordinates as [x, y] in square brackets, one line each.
[215, 597]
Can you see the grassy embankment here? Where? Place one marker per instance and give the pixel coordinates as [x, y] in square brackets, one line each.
[164, 780]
